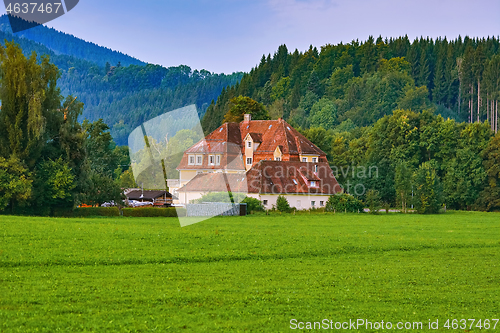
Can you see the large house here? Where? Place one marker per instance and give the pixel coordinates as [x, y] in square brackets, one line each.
[261, 158]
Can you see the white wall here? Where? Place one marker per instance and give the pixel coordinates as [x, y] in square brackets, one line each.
[305, 200]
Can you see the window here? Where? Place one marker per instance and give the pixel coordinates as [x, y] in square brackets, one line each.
[294, 181]
[264, 202]
[217, 159]
[249, 144]
[199, 160]
[313, 183]
[249, 160]
[315, 168]
[191, 160]
[315, 159]
[277, 158]
[321, 203]
[211, 159]
[313, 203]
[304, 159]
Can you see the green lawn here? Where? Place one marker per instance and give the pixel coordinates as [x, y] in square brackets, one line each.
[252, 273]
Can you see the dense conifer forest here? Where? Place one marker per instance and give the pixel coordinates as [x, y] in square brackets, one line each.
[363, 81]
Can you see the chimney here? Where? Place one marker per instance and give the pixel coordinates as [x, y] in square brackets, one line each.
[247, 117]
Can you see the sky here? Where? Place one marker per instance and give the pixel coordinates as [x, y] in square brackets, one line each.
[226, 36]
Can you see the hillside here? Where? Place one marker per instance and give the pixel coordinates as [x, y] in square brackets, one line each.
[62, 43]
[361, 82]
[121, 90]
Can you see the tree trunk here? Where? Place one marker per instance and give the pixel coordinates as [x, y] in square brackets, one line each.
[469, 112]
[492, 116]
[488, 109]
[459, 97]
[471, 103]
[478, 97]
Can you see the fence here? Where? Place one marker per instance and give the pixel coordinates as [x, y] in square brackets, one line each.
[216, 209]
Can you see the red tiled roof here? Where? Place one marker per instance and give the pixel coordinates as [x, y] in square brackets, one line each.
[216, 182]
[285, 177]
[228, 139]
[256, 137]
[270, 177]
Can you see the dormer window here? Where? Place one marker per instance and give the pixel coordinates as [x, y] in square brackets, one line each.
[249, 144]
[191, 160]
[313, 183]
[277, 158]
[315, 159]
[249, 160]
[217, 159]
[199, 160]
[211, 159]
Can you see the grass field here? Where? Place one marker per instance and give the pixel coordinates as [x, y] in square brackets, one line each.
[252, 273]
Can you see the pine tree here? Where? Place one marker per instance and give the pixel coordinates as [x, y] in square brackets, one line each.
[439, 90]
[478, 68]
[424, 70]
[368, 56]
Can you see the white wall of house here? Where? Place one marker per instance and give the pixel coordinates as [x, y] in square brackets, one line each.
[299, 201]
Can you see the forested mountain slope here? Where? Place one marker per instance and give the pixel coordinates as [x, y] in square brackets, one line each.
[123, 96]
[362, 82]
[62, 43]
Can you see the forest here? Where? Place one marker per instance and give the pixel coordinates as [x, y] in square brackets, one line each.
[117, 88]
[458, 79]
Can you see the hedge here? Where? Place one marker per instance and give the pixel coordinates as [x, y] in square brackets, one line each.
[87, 211]
[153, 212]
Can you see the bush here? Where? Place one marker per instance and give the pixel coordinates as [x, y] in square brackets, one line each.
[220, 197]
[373, 201]
[282, 204]
[153, 212]
[253, 205]
[344, 203]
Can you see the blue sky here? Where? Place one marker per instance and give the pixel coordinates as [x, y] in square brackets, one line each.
[231, 35]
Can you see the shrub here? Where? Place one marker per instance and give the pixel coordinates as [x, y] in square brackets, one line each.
[253, 205]
[153, 212]
[373, 201]
[220, 197]
[344, 203]
[282, 204]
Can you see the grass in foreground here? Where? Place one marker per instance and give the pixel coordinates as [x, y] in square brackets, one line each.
[251, 273]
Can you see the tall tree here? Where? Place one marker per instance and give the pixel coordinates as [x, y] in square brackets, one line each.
[489, 198]
[478, 68]
[428, 194]
[402, 184]
[29, 100]
[241, 105]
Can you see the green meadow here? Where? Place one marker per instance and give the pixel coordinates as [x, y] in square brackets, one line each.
[252, 274]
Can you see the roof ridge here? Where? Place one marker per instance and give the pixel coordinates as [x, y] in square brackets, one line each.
[282, 122]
